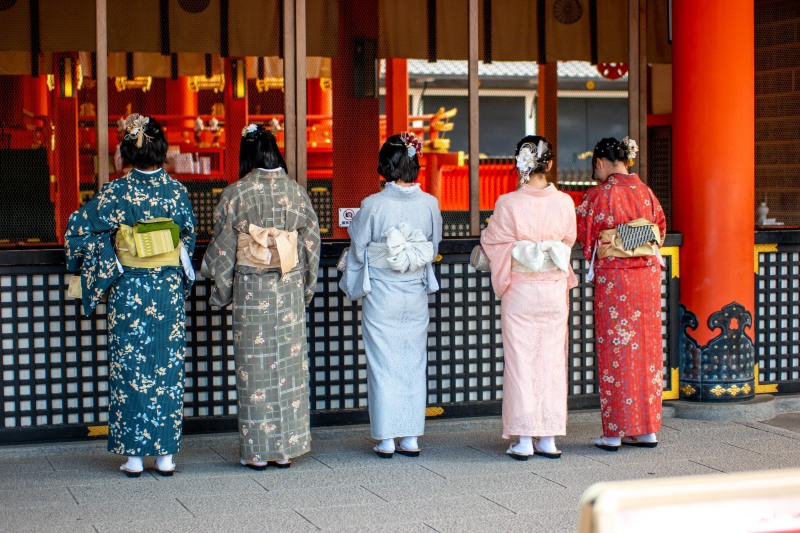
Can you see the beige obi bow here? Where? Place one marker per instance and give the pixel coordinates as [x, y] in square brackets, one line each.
[146, 250]
[267, 248]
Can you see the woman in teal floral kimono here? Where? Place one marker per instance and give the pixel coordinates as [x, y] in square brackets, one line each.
[134, 241]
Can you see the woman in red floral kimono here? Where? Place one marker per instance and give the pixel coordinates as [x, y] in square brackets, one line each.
[627, 300]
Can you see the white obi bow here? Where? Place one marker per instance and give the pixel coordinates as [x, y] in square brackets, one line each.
[405, 249]
[542, 256]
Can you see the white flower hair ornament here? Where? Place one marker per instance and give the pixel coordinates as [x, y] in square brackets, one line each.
[250, 128]
[631, 148]
[528, 158]
[413, 144]
[134, 128]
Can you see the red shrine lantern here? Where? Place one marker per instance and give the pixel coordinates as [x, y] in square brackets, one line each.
[612, 71]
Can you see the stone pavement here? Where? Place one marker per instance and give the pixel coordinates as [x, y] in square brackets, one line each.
[461, 482]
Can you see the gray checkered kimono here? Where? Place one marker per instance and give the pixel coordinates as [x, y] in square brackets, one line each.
[269, 318]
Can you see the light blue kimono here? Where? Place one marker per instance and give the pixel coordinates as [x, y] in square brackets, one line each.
[394, 318]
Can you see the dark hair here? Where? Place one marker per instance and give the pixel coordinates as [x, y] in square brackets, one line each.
[611, 149]
[153, 151]
[394, 164]
[259, 149]
[544, 160]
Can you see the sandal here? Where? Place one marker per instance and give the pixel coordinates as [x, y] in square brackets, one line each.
[276, 464]
[603, 444]
[516, 455]
[633, 441]
[130, 473]
[547, 455]
[258, 466]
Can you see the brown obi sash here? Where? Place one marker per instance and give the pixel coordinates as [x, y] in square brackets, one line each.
[267, 248]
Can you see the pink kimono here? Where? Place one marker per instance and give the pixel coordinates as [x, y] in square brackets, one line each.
[534, 307]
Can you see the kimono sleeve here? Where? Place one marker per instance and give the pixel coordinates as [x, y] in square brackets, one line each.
[220, 258]
[355, 280]
[185, 219]
[431, 283]
[587, 229]
[309, 248]
[89, 246]
[498, 240]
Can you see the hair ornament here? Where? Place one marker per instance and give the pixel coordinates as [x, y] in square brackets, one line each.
[134, 127]
[250, 128]
[631, 148]
[413, 144]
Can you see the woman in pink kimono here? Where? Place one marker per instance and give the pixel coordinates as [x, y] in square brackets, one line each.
[528, 242]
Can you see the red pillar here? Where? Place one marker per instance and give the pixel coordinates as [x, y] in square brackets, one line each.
[181, 100]
[396, 96]
[35, 97]
[236, 119]
[713, 125]
[320, 101]
[65, 120]
[356, 129]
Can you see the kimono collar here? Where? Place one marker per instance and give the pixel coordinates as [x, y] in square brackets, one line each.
[147, 174]
[396, 191]
[547, 191]
[622, 179]
[270, 174]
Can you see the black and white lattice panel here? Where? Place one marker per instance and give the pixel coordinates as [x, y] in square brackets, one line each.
[777, 327]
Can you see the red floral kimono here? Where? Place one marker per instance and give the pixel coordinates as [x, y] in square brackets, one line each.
[627, 309]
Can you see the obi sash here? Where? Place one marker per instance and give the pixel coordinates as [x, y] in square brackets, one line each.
[405, 249]
[541, 256]
[149, 244]
[267, 248]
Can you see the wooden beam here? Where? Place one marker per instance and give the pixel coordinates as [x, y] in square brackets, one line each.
[290, 125]
[474, 138]
[101, 66]
[301, 89]
[547, 109]
[637, 80]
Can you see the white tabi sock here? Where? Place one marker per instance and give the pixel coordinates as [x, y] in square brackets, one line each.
[385, 446]
[165, 463]
[134, 464]
[409, 443]
[524, 446]
[547, 445]
[647, 437]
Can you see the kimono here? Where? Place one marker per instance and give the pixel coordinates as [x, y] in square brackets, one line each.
[146, 316]
[627, 309]
[534, 306]
[394, 315]
[269, 312]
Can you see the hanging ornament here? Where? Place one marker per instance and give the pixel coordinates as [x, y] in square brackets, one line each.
[612, 71]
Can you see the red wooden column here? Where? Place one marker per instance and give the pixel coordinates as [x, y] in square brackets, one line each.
[356, 131]
[547, 108]
[65, 120]
[713, 158]
[181, 100]
[396, 96]
[236, 118]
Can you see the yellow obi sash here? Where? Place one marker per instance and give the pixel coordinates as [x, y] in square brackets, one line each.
[148, 248]
[267, 248]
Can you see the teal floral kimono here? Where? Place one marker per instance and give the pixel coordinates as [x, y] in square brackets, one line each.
[146, 316]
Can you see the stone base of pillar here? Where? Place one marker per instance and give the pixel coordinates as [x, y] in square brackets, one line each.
[722, 370]
[762, 407]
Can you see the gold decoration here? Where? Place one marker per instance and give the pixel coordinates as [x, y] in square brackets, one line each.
[434, 411]
[717, 391]
[746, 388]
[762, 249]
[675, 380]
[215, 83]
[733, 390]
[97, 431]
[139, 82]
[265, 84]
[688, 390]
[325, 84]
[675, 253]
[763, 389]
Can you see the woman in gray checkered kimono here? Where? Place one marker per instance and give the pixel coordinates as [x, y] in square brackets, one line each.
[264, 257]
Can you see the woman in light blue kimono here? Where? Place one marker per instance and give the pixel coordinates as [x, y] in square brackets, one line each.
[134, 241]
[394, 239]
